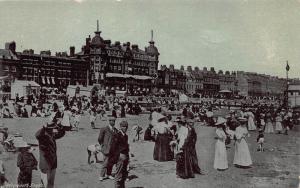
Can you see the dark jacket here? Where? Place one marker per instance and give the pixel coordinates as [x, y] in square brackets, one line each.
[47, 147]
[26, 161]
[123, 146]
[108, 139]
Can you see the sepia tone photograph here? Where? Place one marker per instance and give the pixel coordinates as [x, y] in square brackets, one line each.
[149, 93]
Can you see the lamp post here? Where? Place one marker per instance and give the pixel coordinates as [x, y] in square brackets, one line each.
[287, 68]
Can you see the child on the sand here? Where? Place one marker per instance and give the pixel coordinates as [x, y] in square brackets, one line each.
[2, 174]
[93, 149]
[260, 140]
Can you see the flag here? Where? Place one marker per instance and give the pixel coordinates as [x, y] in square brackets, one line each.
[287, 66]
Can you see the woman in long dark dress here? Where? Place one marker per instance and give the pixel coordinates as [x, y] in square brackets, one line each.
[192, 144]
[163, 137]
[184, 159]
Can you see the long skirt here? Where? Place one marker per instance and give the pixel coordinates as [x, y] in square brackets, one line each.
[242, 155]
[162, 149]
[184, 166]
[251, 125]
[220, 161]
[194, 159]
[269, 127]
[278, 126]
[24, 178]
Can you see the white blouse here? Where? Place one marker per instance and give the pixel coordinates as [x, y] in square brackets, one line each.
[182, 136]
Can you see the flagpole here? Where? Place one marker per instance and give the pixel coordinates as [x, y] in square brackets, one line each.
[287, 84]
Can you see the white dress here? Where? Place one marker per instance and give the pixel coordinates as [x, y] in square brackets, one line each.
[269, 126]
[220, 161]
[278, 125]
[66, 118]
[242, 155]
[251, 124]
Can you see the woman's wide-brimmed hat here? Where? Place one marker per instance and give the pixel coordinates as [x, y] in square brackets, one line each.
[221, 121]
[242, 119]
[22, 144]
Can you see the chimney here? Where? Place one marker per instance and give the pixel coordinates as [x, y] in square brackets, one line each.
[196, 69]
[135, 47]
[212, 69]
[46, 52]
[205, 69]
[181, 67]
[220, 72]
[31, 51]
[189, 68]
[87, 42]
[72, 51]
[117, 43]
[107, 42]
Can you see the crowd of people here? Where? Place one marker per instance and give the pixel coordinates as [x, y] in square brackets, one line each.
[174, 136]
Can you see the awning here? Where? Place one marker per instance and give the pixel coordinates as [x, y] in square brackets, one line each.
[138, 77]
[117, 75]
[225, 91]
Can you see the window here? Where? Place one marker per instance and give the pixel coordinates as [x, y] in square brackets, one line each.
[5, 68]
[13, 69]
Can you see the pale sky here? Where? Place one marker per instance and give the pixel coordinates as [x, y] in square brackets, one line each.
[249, 35]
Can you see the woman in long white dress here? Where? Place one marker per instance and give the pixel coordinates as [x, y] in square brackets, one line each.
[242, 157]
[251, 124]
[278, 124]
[220, 162]
[66, 118]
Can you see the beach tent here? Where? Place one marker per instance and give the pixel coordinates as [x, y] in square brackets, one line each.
[24, 88]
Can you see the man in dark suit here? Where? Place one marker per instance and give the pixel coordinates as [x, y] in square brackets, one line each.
[108, 138]
[46, 137]
[123, 153]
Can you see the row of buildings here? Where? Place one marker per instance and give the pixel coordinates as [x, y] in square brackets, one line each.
[209, 81]
[116, 66]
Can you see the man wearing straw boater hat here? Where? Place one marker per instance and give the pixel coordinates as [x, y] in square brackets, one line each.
[47, 137]
[108, 138]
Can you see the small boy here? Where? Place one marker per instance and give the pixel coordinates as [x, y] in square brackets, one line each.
[93, 115]
[148, 136]
[138, 130]
[93, 149]
[26, 162]
[260, 140]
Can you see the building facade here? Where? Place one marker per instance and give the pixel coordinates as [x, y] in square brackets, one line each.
[116, 66]
[125, 67]
[57, 71]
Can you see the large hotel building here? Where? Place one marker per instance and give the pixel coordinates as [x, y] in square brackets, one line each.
[126, 67]
[109, 65]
